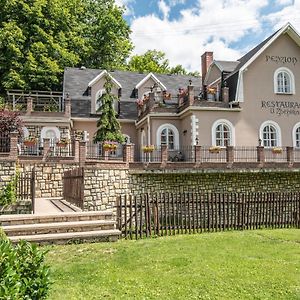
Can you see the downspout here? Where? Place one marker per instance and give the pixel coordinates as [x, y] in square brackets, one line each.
[149, 130]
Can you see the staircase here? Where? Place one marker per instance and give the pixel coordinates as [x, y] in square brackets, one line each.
[61, 228]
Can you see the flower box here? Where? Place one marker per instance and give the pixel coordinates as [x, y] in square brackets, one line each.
[61, 144]
[109, 146]
[148, 149]
[215, 149]
[277, 150]
[29, 143]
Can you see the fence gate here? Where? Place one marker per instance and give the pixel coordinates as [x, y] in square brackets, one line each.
[146, 215]
[25, 189]
[73, 187]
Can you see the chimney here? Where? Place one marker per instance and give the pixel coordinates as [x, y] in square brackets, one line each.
[206, 60]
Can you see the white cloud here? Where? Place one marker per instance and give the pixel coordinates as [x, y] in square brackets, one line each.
[284, 2]
[290, 13]
[164, 8]
[209, 25]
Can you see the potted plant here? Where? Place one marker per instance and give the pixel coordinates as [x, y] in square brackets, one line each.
[148, 148]
[276, 150]
[215, 149]
[110, 145]
[30, 141]
[63, 142]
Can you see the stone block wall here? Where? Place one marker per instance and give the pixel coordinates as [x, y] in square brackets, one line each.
[49, 177]
[102, 186]
[7, 171]
[244, 181]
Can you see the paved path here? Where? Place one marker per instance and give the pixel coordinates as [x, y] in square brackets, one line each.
[44, 207]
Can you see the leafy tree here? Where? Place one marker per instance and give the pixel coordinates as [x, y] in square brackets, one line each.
[152, 61]
[10, 121]
[156, 62]
[107, 35]
[108, 125]
[39, 38]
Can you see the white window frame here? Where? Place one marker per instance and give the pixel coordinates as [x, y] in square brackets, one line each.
[43, 134]
[278, 132]
[25, 132]
[98, 94]
[291, 77]
[231, 131]
[297, 125]
[168, 127]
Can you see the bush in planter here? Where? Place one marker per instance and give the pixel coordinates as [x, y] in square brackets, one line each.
[23, 274]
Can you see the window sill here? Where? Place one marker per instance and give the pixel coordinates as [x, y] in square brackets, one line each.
[288, 94]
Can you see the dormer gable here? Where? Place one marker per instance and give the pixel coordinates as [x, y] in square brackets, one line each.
[100, 76]
[97, 89]
[154, 78]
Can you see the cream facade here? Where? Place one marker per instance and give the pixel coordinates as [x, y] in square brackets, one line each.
[252, 101]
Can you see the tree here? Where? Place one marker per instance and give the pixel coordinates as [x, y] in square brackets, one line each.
[156, 62]
[152, 61]
[107, 35]
[39, 38]
[10, 121]
[108, 125]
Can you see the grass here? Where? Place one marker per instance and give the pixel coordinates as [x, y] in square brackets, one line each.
[262, 264]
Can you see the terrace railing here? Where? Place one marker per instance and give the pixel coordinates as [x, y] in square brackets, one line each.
[96, 151]
[4, 144]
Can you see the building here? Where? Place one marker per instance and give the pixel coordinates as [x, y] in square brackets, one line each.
[251, 101]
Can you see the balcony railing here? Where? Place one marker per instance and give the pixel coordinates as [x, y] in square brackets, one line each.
[80, 152]
[97, 152]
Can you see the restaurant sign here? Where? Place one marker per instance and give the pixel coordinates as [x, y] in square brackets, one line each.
[281, 108]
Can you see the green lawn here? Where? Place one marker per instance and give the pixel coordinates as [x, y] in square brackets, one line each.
[262, 264]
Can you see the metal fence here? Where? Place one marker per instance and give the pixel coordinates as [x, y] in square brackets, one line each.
[213, 154]
[245, 154]
[96, 151]
[4, 144]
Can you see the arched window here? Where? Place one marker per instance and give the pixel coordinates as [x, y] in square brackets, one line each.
[297, 138]
[51, 133]
[270, 134]
[222, 133]
[284, 82]
[167, 134]
[167, 138]
[296, 135]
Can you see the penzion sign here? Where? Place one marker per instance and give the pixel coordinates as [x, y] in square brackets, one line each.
[282, 59]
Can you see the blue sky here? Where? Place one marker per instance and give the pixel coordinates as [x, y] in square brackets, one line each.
[184, 29]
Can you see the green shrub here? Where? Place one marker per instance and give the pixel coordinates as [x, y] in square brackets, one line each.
[23, 274]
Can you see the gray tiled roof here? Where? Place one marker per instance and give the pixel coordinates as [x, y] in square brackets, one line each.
[227, 66]
[232, 78]
[76, 85]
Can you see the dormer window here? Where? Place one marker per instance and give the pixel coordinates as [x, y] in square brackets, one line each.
[284, 82]
[98, 103]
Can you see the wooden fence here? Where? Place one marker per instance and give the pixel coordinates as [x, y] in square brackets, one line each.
[73, 186]
[169, 214]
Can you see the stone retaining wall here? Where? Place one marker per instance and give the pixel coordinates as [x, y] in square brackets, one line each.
[7, 171]
[49, 177]
[102, 186]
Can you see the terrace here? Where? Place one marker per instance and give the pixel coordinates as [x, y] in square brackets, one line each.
[154, 157]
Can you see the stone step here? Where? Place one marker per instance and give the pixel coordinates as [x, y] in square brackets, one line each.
[53, 218]
[70, 237]
[58, 227]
